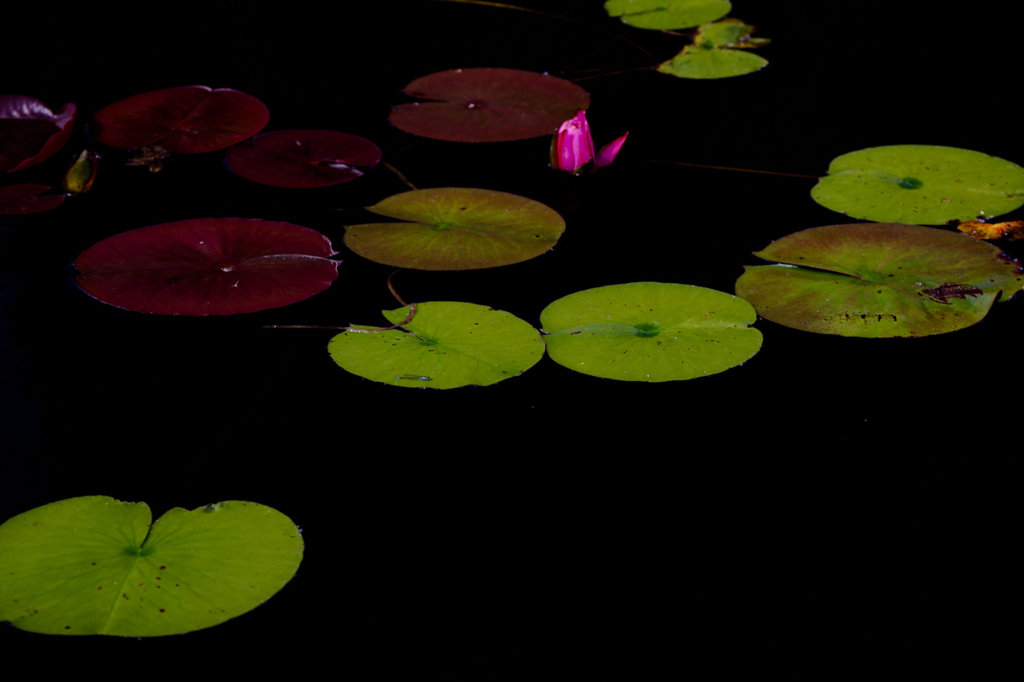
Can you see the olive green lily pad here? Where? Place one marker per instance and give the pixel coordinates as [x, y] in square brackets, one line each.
[95, 565]
[710, 55]
[879, 280]
[456, 228]
[667, 14]
[650, 331]
[446, 345]
[920, 185]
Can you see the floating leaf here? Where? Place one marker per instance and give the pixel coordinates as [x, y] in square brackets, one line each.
[185, 120]
[667, 14]
[708, 56]
[302, 158]
[488, 105]
[210, 266]
[456, 228]
[973, 228]
[920, 184]
[650, 331]
[445, 345]
[30, 133]
[95, 566]
[22, 199]
[879, 280]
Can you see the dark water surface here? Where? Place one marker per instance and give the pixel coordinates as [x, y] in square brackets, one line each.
[553, 512]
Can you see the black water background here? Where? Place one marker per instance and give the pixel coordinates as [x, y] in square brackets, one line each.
[826, 476]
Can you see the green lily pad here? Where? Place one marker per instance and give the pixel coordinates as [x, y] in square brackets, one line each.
[446, 345]
[649, 331]
[95, 565]
[709, 56]
[879, 280]
[920, 185]
[667, 14]
[456, 228]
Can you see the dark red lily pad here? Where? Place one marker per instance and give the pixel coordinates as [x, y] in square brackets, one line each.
[22, 199]
[488, 105]
[29, 132]
[209, 266]
[302, 158]
[187, 120]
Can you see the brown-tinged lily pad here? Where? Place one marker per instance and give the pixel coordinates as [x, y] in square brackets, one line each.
[302, 158]
[879, 280]
[488, 105]
[456, 228]
[29, 132]
[209, 266]
[186, 120]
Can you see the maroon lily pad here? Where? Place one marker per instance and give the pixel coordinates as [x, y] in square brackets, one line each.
[30, 133]
[302, 158]
[488, 105]
[187, 120]
[22, 199]
[209, 266]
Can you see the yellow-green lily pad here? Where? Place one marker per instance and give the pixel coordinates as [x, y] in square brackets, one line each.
[97, 566]
[447, 344]
[456, 228]
[667, 14]
[717, 52]
[650, 331]
[920, 185]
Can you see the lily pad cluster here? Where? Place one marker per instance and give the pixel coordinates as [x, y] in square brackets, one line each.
[879, 280]
[97, 566]
[718, 51]
[643, 331]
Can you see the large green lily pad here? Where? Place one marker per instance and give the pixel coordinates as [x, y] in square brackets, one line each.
[879, 280]
[446, 345]
[650, 331]
[456, 228]
[94, 565]
[920, 185]
[667, 14]
[716, 52]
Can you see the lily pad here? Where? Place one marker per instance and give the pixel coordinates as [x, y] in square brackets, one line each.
[209, 266]
[920, 184]
[30, 133]
[650, 331]
[186, 120]
[302, 158]
[95, 566]
[488, 105]
[22, 199]
[667, 14]
[716, 52]
[879, 280]
[456, 228]
[446, 345]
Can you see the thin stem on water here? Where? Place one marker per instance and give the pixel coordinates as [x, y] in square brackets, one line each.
[400, 176]
[741, 170]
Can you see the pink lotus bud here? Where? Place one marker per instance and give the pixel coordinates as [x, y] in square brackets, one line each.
[610, 151]
[572, 147]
